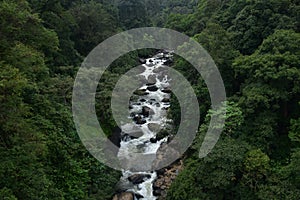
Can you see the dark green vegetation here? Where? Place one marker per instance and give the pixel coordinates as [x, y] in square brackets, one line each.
[255, 44]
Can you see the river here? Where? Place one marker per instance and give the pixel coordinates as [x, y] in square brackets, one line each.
[148, 111]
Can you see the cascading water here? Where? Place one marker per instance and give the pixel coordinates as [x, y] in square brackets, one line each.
[148, 111]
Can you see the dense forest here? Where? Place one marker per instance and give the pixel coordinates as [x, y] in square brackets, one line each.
[254, 43]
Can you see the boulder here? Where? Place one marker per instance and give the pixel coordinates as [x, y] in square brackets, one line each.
[157, 104]
[165, 100]
[132, 130]
[139, 120]
[141, 92]
[138, 178]
[122, 186]
[146, 111]
[152, 88]
[158, 70]
[124, 196]
[154, 127]
[141, 79]
[166, 90]
[153, 140]
[165, 154]
[151, 79]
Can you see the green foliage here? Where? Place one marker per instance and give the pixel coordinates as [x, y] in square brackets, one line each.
[254, 43]
[94, 24]
[217, 42]
[41, 154]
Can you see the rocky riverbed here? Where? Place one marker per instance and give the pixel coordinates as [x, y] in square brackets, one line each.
[148, 133]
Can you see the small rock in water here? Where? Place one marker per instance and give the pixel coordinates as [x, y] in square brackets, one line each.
[157, 104]
[138, 196]
[146, 111]
[165, 100]
[153, 140]
[152, 88]
[166, 90]
[138, 178]
[142, 100]
[141, 92]
[139, 120]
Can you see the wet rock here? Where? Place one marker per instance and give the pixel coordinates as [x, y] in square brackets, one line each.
[150, 65]
[141, 146]
[165, 154]
[160, 55]
[160, 70]
[127, 137]
[124, 196]
[141, 92]
[160, 172]
[153, 140]
[166, 90]
[143, 100]
[146, 111]
[151, 79]
[138, 178]
[142, 79]
[122, 186]
[154, 127]
[139, 120]
[152, 88]
[140, 69]
[165, 100]
[132, 130]
[138, 196]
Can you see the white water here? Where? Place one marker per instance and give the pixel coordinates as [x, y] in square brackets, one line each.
[143, 144]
